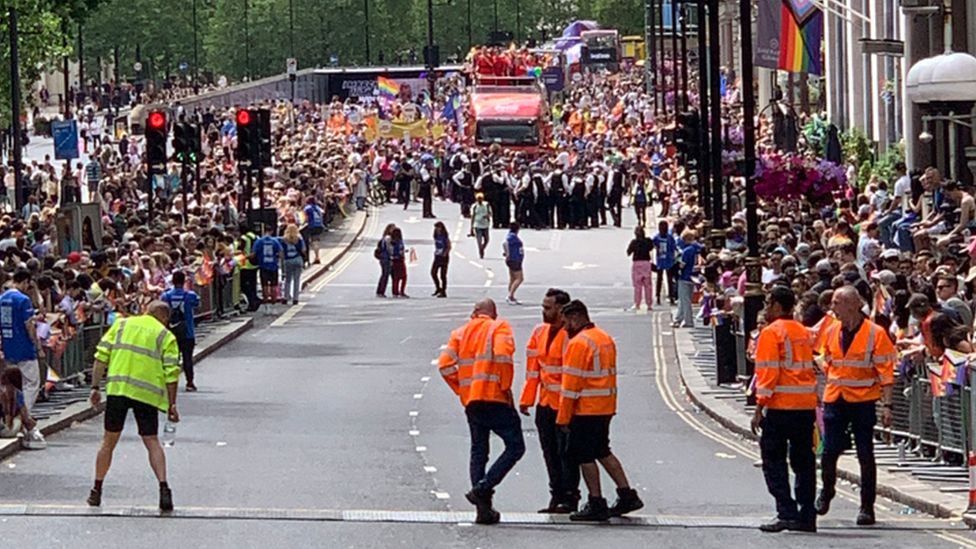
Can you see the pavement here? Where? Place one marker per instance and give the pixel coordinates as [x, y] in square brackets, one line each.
[329, 426]
[66, 407]
[897, 476]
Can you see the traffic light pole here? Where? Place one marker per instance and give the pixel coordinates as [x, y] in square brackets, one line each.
[715, 105]
[184, 174]
[17, 153]
[650, 53]
[675, 74]
[704, 158]
[754, 293]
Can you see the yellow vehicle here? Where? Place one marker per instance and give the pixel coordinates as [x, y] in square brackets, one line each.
[633, 47]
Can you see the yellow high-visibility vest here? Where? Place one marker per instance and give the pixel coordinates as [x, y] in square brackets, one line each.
[142, 357]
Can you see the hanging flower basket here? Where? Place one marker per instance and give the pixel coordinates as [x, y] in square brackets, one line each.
[794, 177]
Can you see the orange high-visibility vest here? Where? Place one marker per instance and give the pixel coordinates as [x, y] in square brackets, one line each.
[589, 380]
[785, 377]
[477, 363]
[859, 374]
[544, 366]
[820, 332]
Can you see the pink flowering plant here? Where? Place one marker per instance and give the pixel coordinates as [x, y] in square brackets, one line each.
[795, 177]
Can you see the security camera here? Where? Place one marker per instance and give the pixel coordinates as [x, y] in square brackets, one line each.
[925, 137]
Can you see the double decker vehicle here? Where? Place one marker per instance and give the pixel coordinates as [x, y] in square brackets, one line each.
[511, 112]
[601, 49]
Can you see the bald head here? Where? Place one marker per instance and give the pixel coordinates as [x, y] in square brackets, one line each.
[160, 310]
[846, 304]
[486, 307]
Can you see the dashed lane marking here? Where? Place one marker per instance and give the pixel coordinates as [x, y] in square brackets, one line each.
[948, 530]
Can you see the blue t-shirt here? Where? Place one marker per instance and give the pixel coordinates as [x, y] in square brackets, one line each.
[399, 250]
[293, 251]
[688, 256]
[15, 310]
[314, 216]
[515, 251]
[267, 249]
[187, 300]
[440, 245]
[665, 248]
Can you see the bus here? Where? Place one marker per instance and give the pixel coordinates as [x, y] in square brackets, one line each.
[601, 49]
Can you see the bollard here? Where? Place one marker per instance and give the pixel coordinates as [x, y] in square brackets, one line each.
[972, 483]
[725, 352]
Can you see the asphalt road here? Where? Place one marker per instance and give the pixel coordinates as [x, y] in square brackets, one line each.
[330, 427]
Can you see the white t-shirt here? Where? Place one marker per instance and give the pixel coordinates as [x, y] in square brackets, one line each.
[903, 190]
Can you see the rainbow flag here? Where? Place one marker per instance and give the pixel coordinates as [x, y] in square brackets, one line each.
[387, 87]
[789, 36]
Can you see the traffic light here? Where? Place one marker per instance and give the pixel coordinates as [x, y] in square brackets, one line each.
[248, 137]
[687, 136]
[156, 136]
[186, 142]
[264, 137]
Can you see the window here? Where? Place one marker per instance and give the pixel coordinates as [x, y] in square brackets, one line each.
[511, 132]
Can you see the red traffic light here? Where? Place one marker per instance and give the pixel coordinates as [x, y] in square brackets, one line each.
[157, 120]
[243, 118]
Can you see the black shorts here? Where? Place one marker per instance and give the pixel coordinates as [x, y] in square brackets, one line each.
[514, 266]
[589, 438]
[116, 408]
[269, 278]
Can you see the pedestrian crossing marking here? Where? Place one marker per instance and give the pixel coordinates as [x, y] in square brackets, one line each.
[446, 517]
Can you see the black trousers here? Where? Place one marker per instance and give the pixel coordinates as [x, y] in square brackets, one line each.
[186, 346]
[840, 419]
[616, 210]
[789, 433]
[672, 277]
[428, 205]
[249, 287]
[564, 475]
[438, 272]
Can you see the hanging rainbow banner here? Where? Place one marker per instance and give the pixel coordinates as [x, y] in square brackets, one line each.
[790, 36]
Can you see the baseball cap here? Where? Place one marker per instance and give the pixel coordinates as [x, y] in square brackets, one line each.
[74, 257]
[890, 253]
[824, 266]
[885, 277]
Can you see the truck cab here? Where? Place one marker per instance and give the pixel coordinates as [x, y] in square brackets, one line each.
[510, 112]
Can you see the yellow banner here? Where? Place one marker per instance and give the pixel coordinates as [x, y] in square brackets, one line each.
[388, 129]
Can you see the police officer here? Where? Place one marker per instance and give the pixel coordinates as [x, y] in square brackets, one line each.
[142, 361]
[786, 399]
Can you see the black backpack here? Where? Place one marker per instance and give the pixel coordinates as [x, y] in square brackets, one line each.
[177, 320]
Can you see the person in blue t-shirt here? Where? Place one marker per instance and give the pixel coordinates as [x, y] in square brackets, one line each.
[182, 302]
[18, 335]
[514, 254]
[665, 250]
[690, 253]
[442, 256]
[315, 219]
[268, 253]
[295, 256]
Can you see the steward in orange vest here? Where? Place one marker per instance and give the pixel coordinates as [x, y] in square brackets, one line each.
[860, 370]
[588, 402]
[543, 377]
[786, 402]
[477, 365]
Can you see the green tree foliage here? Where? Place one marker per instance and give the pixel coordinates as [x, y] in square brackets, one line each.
[40, 42]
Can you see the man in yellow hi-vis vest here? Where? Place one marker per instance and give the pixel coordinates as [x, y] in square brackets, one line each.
[143, 363]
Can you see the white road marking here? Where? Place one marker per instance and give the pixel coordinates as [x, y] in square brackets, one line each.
[434, 362]
[578, 266]
[406, 339]
[414, 413]
[288, 315]
[425, 379]
[418, 396]
[421, 448]
[430, 468]
[442, 495]
[413, 433]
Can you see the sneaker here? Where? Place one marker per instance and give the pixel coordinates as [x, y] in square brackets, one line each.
[865, 517]
[383, 296]
[294, 302]
[34, 440]
[627, 501]
[442, 294]
[95, 498]
[165, 499]
[191, 388]
[595, 510]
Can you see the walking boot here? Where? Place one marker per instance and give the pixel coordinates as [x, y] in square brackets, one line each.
[627, 501]
[595, 510]
[481, 499]
[776, 525]
[865, 517]
[551, 508]
[165, 498]
[95, 498]
[822, 505]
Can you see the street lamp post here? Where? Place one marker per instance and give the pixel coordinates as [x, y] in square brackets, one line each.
[754, 294]
[366, 29]
[715, 105]
[674, 57]
[430, 62]
[496, 16]
[291, 29]
[247, 44]
[470, 40]
[18, 160]
[704, 159]
[650, 65]
[518, 22]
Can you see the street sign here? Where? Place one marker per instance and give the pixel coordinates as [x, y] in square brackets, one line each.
[291, 66]
[65, 134]
[184, 66]
[137, 66]
[577, 77]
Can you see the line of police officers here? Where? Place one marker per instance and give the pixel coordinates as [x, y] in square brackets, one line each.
[570, 379]
[544, 195]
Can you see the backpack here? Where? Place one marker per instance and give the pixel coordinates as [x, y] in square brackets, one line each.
[177, 320]
[378, 251]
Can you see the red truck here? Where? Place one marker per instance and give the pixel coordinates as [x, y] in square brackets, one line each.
[511, 112]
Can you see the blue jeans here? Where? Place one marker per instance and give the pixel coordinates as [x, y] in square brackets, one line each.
[885, 226]
[293, 278]
[485, 418]
[840, 419]
[685, 316]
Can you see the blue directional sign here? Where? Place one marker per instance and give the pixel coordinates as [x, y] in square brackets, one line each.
[65, 134]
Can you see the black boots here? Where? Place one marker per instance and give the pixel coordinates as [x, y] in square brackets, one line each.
[595, 510]
[95, 497]
[627, 501]
[481, 499]
[562, 505]
[778, 525]
[865, 517]
[822, 505]
[165, 498]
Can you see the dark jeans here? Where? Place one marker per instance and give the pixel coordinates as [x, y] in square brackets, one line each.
[186, 346]
[482, 236]
[564, 475]
[438, 272]
[790, 432]
[385, 269]
[859, 418]
[672, 277]
[485, 418]
[249, 287]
